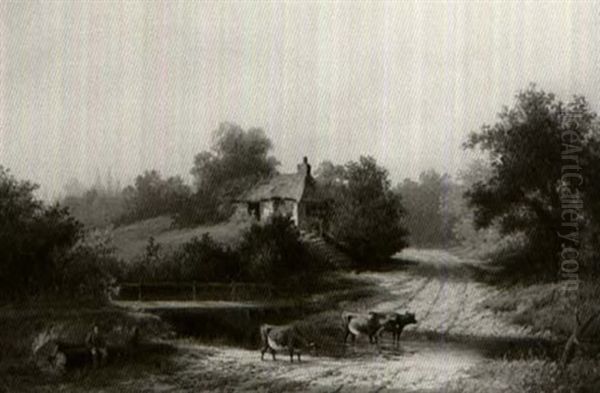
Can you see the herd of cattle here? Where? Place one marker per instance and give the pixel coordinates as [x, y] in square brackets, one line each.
[372, 325]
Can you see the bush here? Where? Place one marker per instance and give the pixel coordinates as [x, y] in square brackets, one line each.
[206, 260]
[273, 252]
[89, 271]
[270, 252]
[155, 264]
[201, 259]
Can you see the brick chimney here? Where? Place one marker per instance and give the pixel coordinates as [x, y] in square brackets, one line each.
[304, 168]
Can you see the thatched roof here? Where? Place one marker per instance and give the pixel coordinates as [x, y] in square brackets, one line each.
[285, 186]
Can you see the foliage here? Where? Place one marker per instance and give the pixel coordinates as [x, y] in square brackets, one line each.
[202, 207]
[528, 148]
[152, 196]
[97, 207]
[237, 160]
[155, 264]
[273, 252]
[528, 375]
[206, 260]
[236, 155]
[32, 236]
[430, 206]
[330, 176]
[366, 218]
[88, 271]
[270, 252]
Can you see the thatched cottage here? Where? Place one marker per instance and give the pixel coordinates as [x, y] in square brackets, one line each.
[290, 194]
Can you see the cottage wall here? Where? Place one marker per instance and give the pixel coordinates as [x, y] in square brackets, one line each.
[283, 208]
[287, 208]
[266, 210]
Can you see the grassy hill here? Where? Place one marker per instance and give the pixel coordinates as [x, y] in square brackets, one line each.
[130, 240]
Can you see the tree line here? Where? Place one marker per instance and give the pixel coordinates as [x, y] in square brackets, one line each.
[540, 152]
[535, 192]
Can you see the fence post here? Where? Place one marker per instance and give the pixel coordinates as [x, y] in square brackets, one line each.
[234, 293]
[194, 290]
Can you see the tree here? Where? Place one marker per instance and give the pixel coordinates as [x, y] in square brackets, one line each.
[32, 237]
[428, 203]
[366, 218]
[237, 160]
[97, 207]
[329, 174]
[464, 230]
[152, 196]
[531, 149]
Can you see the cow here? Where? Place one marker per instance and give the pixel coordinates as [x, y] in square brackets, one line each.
[395, 323]
[283, 338]
[357, 325]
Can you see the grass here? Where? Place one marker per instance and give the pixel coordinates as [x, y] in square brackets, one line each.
[530, 375]
[131, 240]
[543, 307]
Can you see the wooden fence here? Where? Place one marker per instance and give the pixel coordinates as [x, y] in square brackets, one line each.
[193, 291]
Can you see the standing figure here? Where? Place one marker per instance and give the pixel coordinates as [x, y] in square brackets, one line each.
[97, 346]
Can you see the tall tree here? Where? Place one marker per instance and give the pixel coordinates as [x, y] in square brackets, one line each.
[152, 196]
[237, 159]
[531, 148]
[429, 214]
[32, 236]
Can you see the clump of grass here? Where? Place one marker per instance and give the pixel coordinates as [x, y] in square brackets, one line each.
[540, 307]
[529, 375]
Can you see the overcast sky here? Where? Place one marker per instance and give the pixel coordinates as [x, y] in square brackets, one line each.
[88, 86]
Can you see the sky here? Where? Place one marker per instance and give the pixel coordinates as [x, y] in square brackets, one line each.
[92, 87]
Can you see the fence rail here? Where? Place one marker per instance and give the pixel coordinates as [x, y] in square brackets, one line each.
[193, 291]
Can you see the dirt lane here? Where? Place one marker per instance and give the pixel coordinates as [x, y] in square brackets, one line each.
[418, 367]
[438, 288]
[444, 297]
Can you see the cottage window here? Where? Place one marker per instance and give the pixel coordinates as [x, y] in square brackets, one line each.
[254, 210]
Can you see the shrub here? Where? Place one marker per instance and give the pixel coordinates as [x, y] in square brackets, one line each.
[206, 260]
[273, 252]
[155, 264]
[89, 270]
[270, 252]
[201, 259]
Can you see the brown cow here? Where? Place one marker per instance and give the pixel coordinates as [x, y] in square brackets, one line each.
[280, 338]
[357, 325]
[395, 323]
